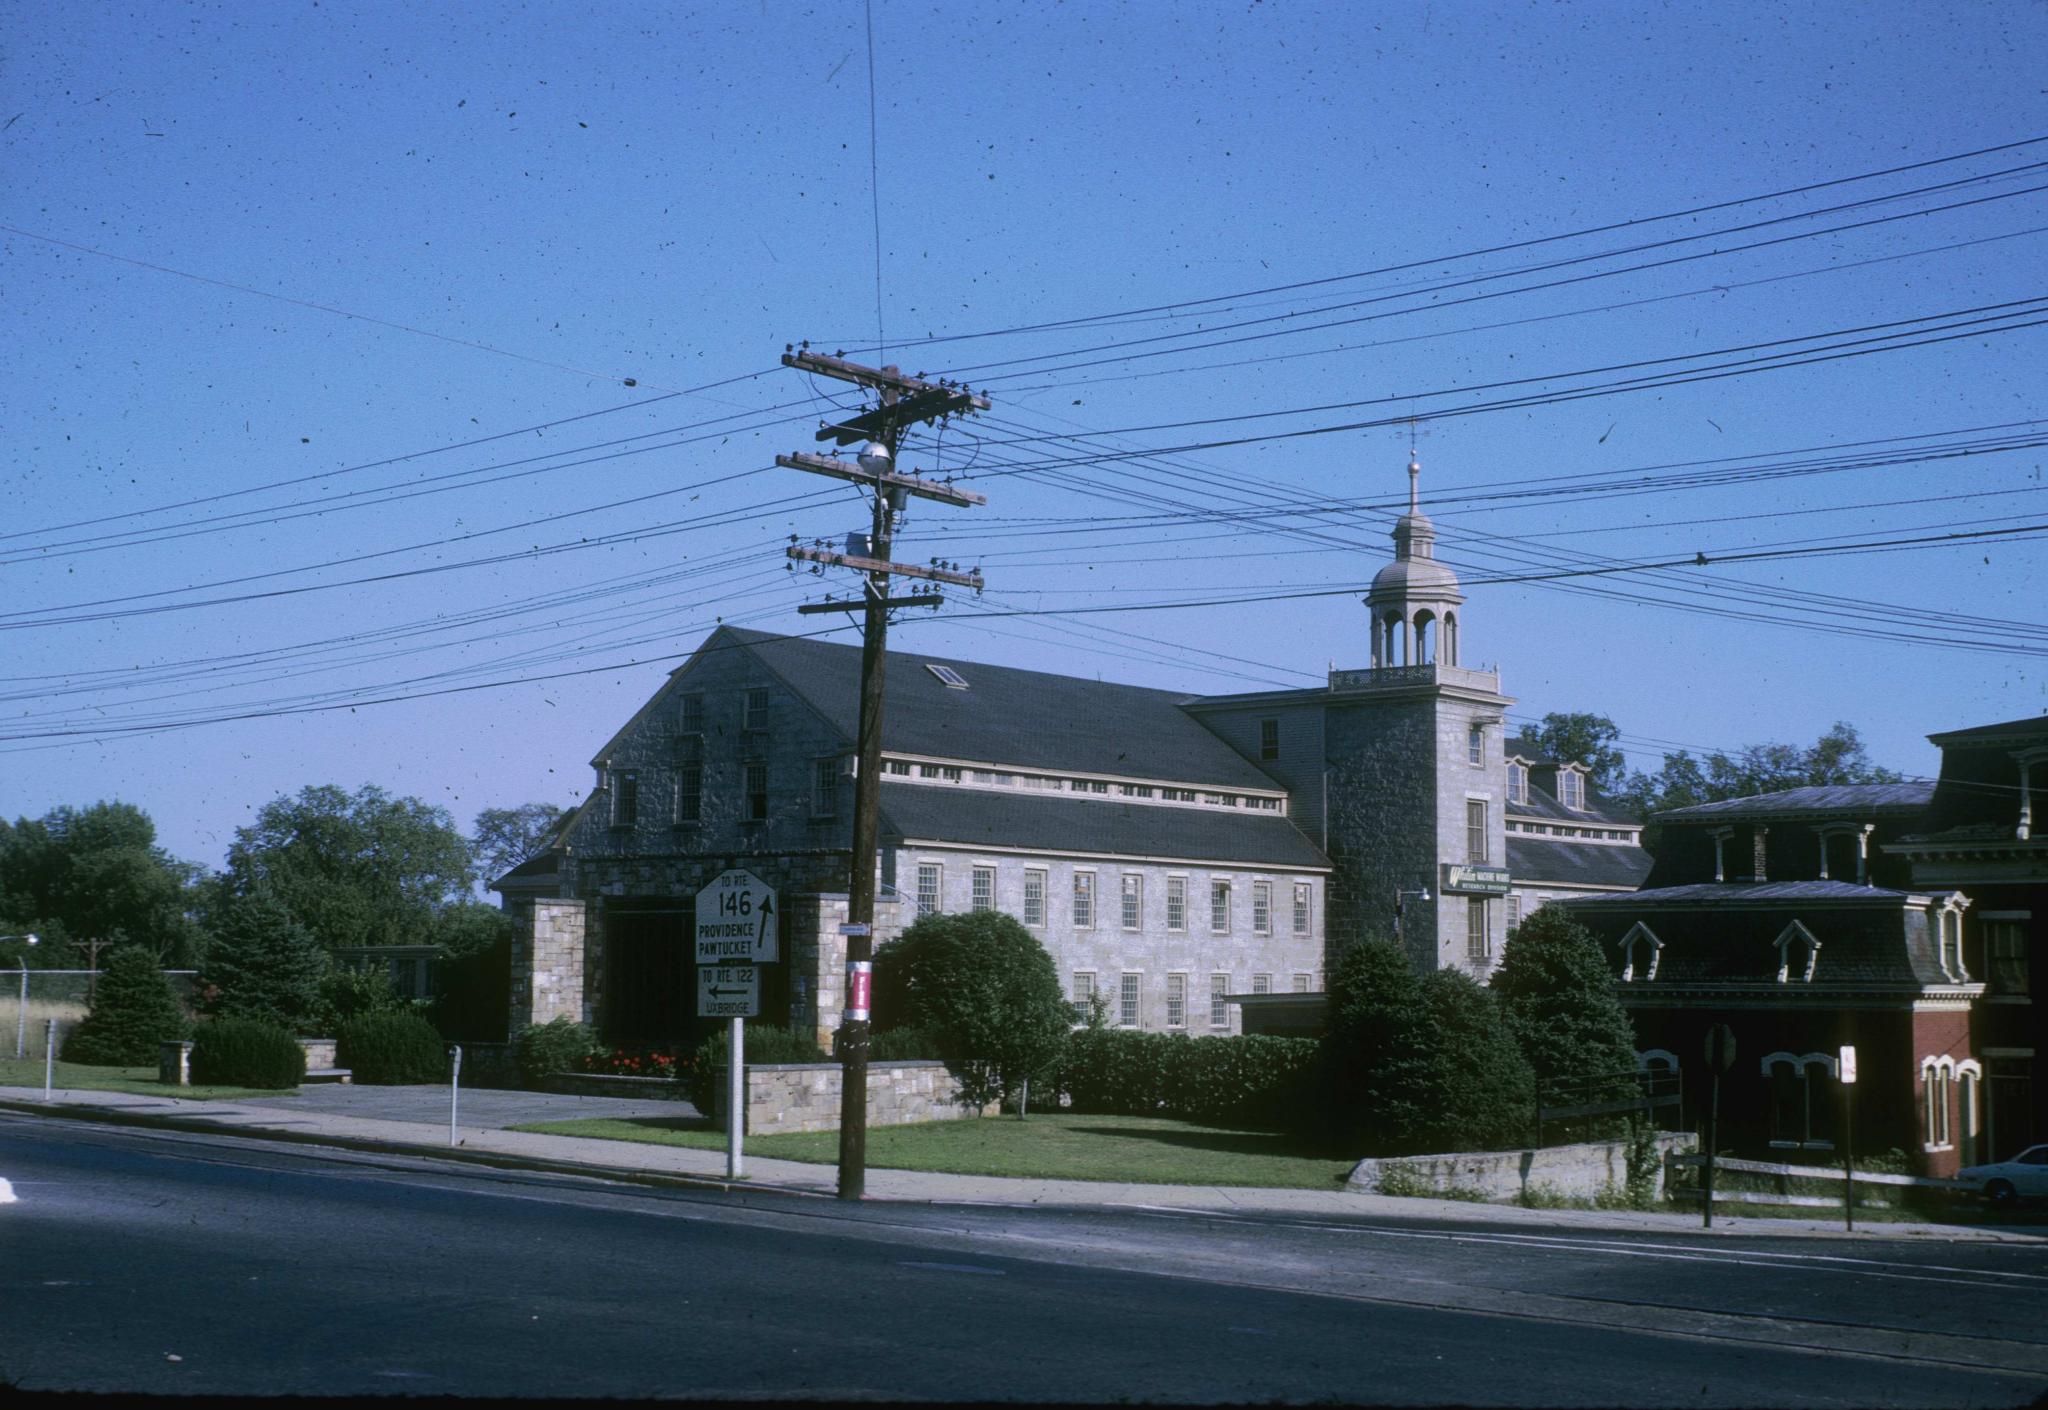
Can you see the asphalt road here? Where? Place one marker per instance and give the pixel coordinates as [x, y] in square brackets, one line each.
[152, 1262]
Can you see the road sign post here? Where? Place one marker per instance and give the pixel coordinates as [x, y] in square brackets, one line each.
[1846, 1067]
[736, 934]
[1720, 1057]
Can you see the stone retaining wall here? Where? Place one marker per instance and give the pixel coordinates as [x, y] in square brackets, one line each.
[804, 1096]
[605, 1084]
[1574, 1172]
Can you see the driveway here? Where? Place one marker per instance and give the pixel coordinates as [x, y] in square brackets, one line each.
[480, 1106]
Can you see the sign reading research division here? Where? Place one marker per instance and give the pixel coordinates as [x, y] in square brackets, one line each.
[1467, 879]
[736, 921]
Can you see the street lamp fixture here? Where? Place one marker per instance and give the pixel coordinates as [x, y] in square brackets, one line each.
[1399, 897]
[21, 1008]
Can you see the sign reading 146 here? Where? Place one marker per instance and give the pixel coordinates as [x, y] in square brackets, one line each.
[736, 921]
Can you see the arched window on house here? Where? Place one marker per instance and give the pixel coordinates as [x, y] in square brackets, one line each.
[1969, 1111]
[1798, 954]
[1948, 936]
[1640, 951]
[1937, 1091]
[1802, 1100]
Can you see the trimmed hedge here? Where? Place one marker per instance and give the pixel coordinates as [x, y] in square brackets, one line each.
[1227, 1081]
[246, 1052]
[391, 1048]
[563, 1045]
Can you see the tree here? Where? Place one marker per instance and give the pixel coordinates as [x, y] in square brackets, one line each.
[95, 875]
[1558, 993]
[1479, 1091]
[1584, 739]
[133, 1010]
[505, 837]
[986, 991]
[354, 869]
[1837, 757]
[1373, 1057]
[263, 965]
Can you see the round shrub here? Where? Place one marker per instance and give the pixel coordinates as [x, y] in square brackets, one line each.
[246, 1052]
[392, 1049]
[132, 1011]
[562, 1045]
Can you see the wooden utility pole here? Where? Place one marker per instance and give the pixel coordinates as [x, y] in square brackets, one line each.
[905, 401]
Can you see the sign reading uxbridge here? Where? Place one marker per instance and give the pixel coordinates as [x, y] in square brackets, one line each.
[1469, 879]
[728, 991]
[736, 921]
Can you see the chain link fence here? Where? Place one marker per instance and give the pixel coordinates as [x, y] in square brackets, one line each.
[29, 999]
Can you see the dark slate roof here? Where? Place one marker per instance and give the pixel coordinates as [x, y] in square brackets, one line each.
[1869, 938]
[1541, 803]
[976, 817]
[1966, 835]
[2036, 727]
[1847, 800]
[1523, 747]
[1748, 893]
[1538, 859]
[1029, 719]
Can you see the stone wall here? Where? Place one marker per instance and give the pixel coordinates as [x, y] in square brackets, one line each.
[1574, 1172]
[548, 964]
[785, 1097]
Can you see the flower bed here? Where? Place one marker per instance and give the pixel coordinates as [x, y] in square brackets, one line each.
[633, 1062]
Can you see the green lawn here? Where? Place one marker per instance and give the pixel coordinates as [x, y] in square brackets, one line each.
[28, 1072]
[1142, 1150]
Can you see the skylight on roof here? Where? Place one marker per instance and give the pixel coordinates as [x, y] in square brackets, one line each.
[953, 679]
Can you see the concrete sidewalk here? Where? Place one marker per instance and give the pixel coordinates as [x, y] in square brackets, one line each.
[322, 1124]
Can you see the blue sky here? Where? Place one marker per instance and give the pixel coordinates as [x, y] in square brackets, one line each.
[353, 253]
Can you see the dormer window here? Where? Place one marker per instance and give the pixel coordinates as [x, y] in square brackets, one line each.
[1948, 937]
[1640, 951]
[1518, 783]
[1571, 789]
[1798, 953]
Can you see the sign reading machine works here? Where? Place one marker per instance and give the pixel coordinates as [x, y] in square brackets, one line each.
[1468, 879]
[736, 921]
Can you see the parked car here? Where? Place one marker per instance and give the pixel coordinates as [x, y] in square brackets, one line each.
[2008, 1182]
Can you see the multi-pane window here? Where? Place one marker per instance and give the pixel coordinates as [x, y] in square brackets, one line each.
[1176, 1001]
[984, 889]
[1219, 1007]
[1937, 1106]
[1034, 897]
[2005, 954]
[1133, 902]
[931, 878]
[1084, 900]
[1269, 739]
[1475, 745]
[625, 798]
[1571, 789]
[756, 712]
[1475, 829]
[1304, 899]
[1948, 925]
[1176, 903]
[1219, 907]
[1127, 1000]
[1514, 912]
[1477, 946]
[1518, 784]
[1262, 984]
[690, 793]
[1084, 995]
[824, 788]
[757, 790]
[692, 718]
[1799, 1112]
[1301, 983]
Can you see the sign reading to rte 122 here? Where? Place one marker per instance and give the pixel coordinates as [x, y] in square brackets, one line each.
[736, 922]
[728, 991]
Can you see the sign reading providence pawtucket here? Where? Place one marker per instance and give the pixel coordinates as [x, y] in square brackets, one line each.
[736, 921]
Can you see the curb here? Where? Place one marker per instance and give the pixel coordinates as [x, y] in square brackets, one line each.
[107, 1116]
